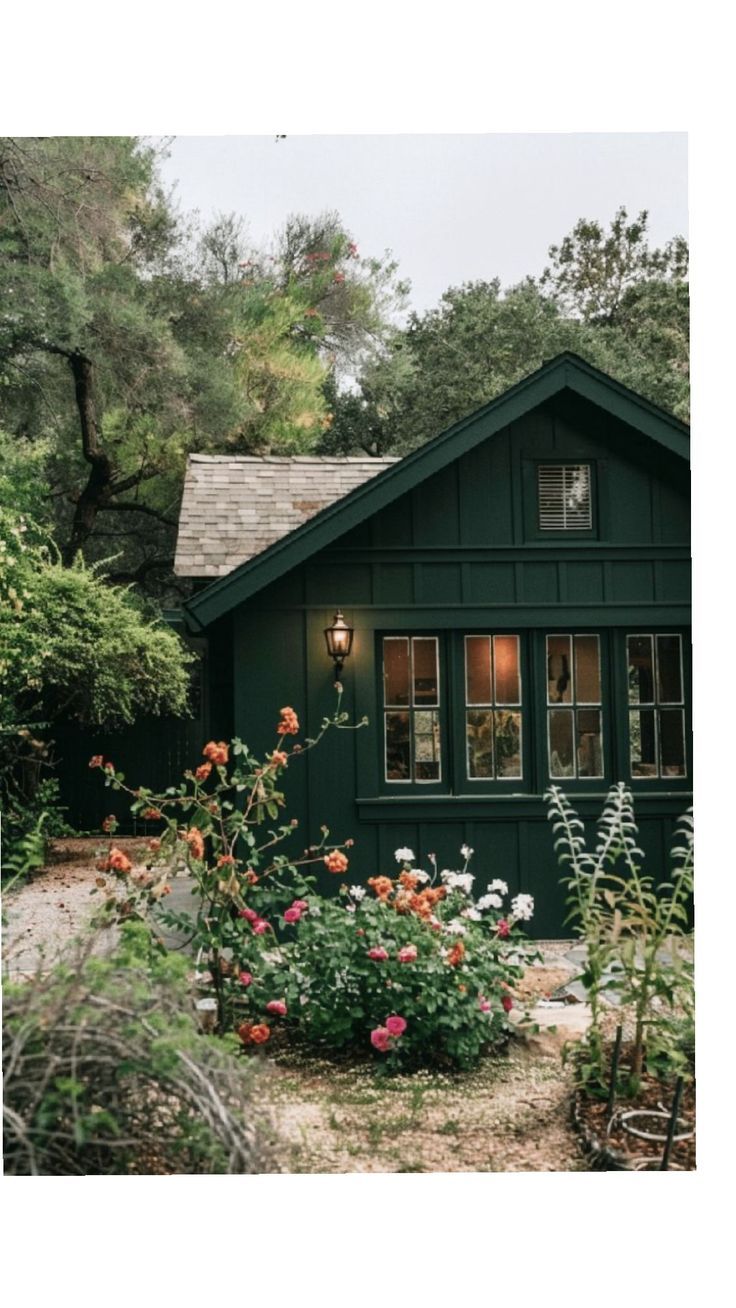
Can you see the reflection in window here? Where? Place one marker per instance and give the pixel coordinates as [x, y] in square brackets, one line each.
[411, 700]
[493, 707]
[656, 732]
[574, 737]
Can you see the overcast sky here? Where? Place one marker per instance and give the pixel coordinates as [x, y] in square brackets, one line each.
[451, 208]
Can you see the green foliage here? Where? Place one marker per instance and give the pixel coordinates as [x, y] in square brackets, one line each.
[633, 930]
[606, 296]
[270, 947]
[105, 1072]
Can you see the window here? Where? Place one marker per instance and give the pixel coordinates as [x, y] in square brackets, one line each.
[574, 737]
[492, 707]
[411, 700]
[564, 497]
[656, 706]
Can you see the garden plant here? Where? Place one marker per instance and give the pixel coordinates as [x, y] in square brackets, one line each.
[412, 966]
[633, 930]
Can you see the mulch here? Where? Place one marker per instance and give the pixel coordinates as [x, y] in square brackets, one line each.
[616, 1148]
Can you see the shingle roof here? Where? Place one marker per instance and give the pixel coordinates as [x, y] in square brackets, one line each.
[233, 508]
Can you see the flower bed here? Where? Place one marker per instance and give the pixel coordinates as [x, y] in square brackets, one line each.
[412, 967]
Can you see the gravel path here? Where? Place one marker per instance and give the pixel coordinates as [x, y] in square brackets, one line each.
[511, 1115]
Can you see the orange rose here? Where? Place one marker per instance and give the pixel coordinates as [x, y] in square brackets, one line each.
[335, 861]
[456, 954]
[195, 841]
[217, 752]
[118, 861]
[259, 1033]
[251, 877]
[408, 880]
[151, 814]
[382, 886]
[289, 724]
[225, 860]
[203, 771]
[154, 845]
[278, 759]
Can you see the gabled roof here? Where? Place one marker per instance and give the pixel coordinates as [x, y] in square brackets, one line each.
[234, 508]
[565, 372]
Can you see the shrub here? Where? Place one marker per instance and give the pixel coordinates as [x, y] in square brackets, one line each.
[417, 969]
[105, 1072]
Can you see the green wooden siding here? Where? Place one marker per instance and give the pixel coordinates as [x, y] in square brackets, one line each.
[452, 556]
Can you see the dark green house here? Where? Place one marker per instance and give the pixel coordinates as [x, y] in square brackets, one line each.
[519, 590]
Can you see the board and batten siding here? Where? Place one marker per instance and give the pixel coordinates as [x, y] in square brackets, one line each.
[461, 553]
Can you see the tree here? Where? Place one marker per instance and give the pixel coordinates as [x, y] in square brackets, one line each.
[593, 272]
[606, 297]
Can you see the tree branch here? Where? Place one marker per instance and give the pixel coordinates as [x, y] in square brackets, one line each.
[127, 507]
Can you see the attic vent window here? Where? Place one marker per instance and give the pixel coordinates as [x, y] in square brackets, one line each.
[565, 502]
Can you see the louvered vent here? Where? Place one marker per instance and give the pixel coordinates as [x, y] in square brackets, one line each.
[564, 497]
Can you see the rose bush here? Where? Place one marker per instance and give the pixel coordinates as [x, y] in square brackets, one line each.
[414, 967]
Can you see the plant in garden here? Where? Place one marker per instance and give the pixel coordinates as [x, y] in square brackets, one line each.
[414, 966]
[248, 893]
[106, 1072]
[631, 927]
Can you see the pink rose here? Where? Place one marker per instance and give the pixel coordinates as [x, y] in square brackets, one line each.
[407, 954]
[484, 1004]
[502, 928]
[259, 926]
[276, 1006]
[381, 1039]
[301, 904]
[249, 914]
[245, 978]
[292, 914]
[378, 954]
[395, 1025]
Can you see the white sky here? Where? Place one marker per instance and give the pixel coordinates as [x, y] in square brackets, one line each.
[451, 208]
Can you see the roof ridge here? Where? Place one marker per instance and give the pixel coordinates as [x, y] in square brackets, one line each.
[294, 458]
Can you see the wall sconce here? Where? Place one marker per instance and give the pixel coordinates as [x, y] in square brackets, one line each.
[339, 638]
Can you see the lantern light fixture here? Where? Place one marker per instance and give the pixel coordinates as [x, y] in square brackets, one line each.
[339, 638]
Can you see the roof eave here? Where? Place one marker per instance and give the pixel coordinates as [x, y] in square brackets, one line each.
[564, 371]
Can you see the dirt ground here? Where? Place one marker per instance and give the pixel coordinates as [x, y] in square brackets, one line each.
[511, 1115]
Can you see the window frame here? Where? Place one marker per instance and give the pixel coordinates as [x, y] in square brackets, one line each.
[461, 706]
[684, 780]
[411, 785]
[532, 529]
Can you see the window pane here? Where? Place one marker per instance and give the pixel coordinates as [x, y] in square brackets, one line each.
[396, 670]
[426, 746]
[478, 669]
[561, 758]
[587, 671]
[508, 743]
[643, 738]
[672, 742]
[426, 684]
[641, 670]
[506, 669]
[398, 764]
[559, 670]
[479, 735]
[669, 671]
[590, 757]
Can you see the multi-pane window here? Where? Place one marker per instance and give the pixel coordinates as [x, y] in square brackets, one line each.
[574, 737]
[656, 706]
[493, 707]
[564, 497]
[411, 700]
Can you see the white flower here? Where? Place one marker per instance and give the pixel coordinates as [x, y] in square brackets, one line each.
[456, 928]
[458, 880]
[522, 907]
[500, 886]
[350, 908]
[489, 901]
[466, 852]
[471, 913]
[420, 874]
[357, 892]
[404, 855]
